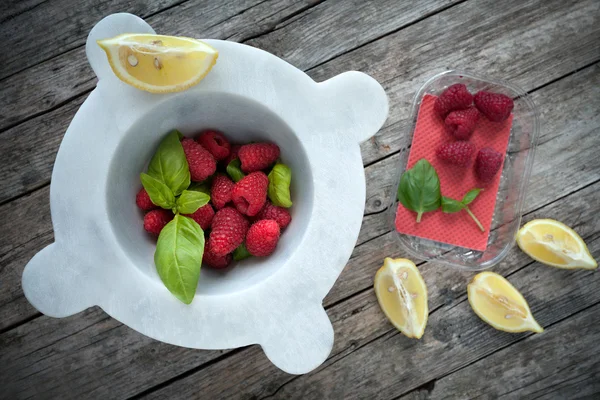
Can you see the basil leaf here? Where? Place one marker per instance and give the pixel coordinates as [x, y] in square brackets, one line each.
[450, 206]
[280, 178]
[241, 253]
[190, 201]
[419, 188]
[234, 171]
[200, 187]
[159, 193]
[178, 257]
[470, 196]
[169, 164]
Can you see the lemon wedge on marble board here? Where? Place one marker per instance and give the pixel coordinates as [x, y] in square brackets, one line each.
[402, 296]
[498, 303]
[554, 243]
[159, 63]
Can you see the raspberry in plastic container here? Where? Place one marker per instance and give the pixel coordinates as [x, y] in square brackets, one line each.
[505, 208]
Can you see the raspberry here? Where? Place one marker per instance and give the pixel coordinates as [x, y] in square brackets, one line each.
[487, 163]
[203, 216]
[220, 191]
[495, 106]
[456, 97]
[155, 220]
[461, 123]
[214, 261]
[215, 143]
[229, 228]
[258, 156]
[262, 238]
[233, 154]
[250, 193]
[142, 199]
[278, 214]
[458, 153]
[202, 164]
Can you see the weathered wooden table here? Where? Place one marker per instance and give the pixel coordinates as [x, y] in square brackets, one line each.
[550, 48]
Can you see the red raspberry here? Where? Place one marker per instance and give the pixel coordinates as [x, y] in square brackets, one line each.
[215, 143]
[250, 193]
[258, 156]
[458, 153]
[214, 261]
[142, 199]
[278, 214]
[262, 238]
[233, 154]
[155, 220]
[229, 228]
[487, 163]
[495, 106]
[202, 164]
[456, 97]
[461, 123]
[203, 216]
[220, 191]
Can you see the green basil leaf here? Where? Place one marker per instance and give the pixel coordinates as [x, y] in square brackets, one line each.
[450, 206]
[190, 201]
[169, 164]
[159, 193]
[200, 187]
[280, 178]
[241, 253]
[470, 196]
[419, 188]
[234, 171]
[178, 257]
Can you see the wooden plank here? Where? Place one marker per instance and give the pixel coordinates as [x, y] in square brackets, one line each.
[48, 84]
[39, 32]
[370, 359]
[559, 364]
[334, 27]
[401, 87]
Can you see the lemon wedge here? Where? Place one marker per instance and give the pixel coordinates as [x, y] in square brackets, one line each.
[158, 63]
[402, 296]
[498, 303]
[554, 243]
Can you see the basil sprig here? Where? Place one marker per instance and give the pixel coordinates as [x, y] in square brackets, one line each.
[180, 245]
[419, 188]
[450, 206]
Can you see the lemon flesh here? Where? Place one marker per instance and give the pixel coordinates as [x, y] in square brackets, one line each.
[498, 303]
[158, 63]
[402, 296]
[554, 243]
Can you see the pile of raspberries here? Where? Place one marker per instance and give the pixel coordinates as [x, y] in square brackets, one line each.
[238, 213]
[455, 107]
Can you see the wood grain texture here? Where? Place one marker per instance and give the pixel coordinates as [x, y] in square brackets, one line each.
[40, 30]
[401, 85]
[529, 368]
[370, 359]
[531, 43]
